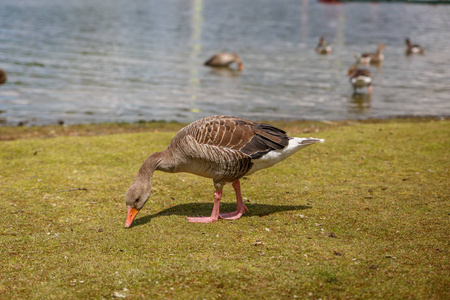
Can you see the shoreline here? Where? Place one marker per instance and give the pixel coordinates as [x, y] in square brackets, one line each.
[10, 133]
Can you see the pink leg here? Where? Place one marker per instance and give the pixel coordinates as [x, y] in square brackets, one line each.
[369, 89]
[241, 208]
[215, 211]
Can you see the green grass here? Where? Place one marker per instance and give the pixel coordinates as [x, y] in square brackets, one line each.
[364, 215]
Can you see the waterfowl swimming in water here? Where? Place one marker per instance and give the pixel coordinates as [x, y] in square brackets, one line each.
[323, 47]
[371, 58]
[224, 60]
[360, 78]
[413, 49]
[218, 147]
[2, 76]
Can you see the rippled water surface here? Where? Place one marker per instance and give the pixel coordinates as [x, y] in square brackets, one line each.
[83, 61]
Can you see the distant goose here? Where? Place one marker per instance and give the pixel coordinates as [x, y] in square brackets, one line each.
[224, 60]
[323, 47]
[218, 147]
[413, 49]
[360, 78]
[2, 76]
[371, 58]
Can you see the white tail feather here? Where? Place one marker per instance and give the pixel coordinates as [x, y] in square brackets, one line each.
[311, 140]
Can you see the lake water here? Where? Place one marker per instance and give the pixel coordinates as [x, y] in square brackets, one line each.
[85, 61]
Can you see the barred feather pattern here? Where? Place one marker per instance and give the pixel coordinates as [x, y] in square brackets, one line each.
[223, 147]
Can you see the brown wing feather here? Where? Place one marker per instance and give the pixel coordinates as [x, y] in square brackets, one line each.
[222, 131]
[267, 138]
[365, 73]
[223, 147]
[251, 138]
[219, 59]
[362, 72]
[211, 61]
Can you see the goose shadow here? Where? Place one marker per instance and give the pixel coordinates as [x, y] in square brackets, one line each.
[204, 209]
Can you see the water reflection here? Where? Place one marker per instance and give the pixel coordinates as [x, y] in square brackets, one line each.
[359, 103]
[225, 72]
[377, 64]
[196, 34]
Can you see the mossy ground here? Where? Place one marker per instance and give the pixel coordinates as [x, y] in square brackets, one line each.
[364, 215]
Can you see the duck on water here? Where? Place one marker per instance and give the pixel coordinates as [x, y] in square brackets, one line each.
[222, 60]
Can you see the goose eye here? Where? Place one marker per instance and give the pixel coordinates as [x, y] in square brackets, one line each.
[136, 202]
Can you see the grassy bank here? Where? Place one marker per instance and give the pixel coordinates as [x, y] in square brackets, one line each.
[364, 215]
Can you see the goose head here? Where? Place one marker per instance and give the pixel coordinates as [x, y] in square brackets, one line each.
[238, 61]
[381, 47]
[135, 198]
[408, 42]
[322, 42]
[139, 191]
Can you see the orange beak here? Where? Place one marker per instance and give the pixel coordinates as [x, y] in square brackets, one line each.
[240, 67]
[132, 212]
